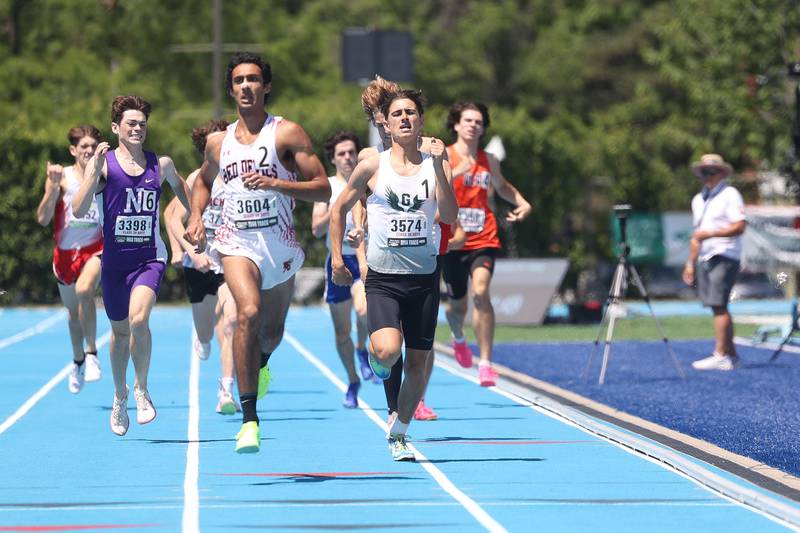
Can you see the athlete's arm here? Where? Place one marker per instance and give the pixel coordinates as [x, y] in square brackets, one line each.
[174, 216]
[169, 174]
[459, 238]
[366, 153]
[445, 197]
[355, 189]
[508, 192]
[95, 169]
[201, 191]
[52, 192]
[296, 154]
[320, 217]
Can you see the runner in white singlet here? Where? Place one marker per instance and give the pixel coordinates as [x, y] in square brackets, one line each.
[260, 159]
[213, 308]
[406, 188]
[76, 255]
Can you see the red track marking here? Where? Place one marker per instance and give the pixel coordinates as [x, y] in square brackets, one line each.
[313, 474]
[510, 442]
[75, 527]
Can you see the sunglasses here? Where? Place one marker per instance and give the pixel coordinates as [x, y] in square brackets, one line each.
[708, 172]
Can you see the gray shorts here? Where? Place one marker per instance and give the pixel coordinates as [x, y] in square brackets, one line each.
[715, 279]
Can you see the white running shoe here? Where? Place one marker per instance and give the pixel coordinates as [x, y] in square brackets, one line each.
[716, 362]
[119, 414]
[76, 378]
[92, 364]
[226, 404]
[145, 411]
[201, 350]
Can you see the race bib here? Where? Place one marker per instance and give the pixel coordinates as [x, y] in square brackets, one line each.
[89, 220]
[134, 229]
[407, 229]
[254, 212]
[471, 219]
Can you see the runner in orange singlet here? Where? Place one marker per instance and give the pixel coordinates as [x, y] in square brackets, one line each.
[474, 171]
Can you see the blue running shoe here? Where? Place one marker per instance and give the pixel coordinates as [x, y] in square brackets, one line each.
[378, 369]
[363, 364]
[351, 397]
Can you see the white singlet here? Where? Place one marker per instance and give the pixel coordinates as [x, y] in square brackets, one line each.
[337, 187]
[258, 224]
[400, 215]
[77, 232]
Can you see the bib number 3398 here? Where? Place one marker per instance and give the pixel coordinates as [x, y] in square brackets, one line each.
[407, 230]
[255, 212]
[134, 229]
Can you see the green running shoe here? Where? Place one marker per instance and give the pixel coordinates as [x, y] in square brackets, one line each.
[264, 377]
[248, 439]
[399, 448]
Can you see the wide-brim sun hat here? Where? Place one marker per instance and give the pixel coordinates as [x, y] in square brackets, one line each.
[711, 161]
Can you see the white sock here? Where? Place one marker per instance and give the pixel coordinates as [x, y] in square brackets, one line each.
[397, 427]
[226, 384]
[458, 340]
[485, 364]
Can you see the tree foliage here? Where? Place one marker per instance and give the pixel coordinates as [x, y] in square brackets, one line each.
[597, 101]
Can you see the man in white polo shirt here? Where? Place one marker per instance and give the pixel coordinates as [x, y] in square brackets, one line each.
[714, 253]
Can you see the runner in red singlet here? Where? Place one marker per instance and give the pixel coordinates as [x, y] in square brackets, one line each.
[474, 171]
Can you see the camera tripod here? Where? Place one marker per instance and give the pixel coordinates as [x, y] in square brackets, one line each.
[623, 273]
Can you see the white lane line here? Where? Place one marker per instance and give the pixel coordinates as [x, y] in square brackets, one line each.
[191, 494]
[33, 330]
[468, 503]
[774, 509]
[42, 392]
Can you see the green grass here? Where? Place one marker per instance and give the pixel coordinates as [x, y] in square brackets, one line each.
[639, 328]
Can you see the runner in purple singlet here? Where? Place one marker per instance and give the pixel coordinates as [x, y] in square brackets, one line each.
[128, 184]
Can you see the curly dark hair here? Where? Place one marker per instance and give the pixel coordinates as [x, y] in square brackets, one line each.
[336, 138]
[454, 115]
[200, 133]
[248, 57]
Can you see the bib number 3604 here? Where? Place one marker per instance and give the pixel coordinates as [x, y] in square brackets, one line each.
[257, 212]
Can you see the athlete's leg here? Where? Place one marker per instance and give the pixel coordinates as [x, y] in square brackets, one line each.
[70, 301]
[360, 307]
[119, 353]
[85, 289]
[386, 345]
[275, 304]
[226, 325]
[244, 281]
[483, 312]
[414, 383]
[143, 298]
[204, 317]
[342, 325]
[456, 312]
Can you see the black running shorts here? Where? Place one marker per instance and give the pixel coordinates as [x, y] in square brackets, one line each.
[407, 302]
[458, 266]
[199, 284]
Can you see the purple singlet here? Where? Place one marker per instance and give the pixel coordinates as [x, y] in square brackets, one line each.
[130, 215]
[133, 253]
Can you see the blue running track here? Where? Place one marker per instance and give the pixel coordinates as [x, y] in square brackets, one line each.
[493, 461]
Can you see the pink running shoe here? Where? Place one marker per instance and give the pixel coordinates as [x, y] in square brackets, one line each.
[487, 376]
[463, 353]
[423, 412]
